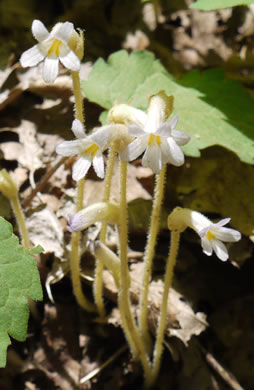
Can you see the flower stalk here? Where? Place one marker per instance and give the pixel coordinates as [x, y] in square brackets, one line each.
[10, 190]
[128, 323]
[98, 281]
[158, 348]
[75, 240]
[148, 257]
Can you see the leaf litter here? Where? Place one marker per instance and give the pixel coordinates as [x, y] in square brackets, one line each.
[59, 357]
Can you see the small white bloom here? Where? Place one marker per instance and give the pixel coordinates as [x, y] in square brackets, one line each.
[52, 47]
[90, 149]
[211, 234]
[157, 138]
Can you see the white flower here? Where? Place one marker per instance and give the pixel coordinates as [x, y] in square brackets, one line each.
[52, 48]
[90, 149]
[211, 234]
[157, 138]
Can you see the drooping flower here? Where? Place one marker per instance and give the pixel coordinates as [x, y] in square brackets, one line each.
[51, 48]
[157, 138]
[97, 212]
[211, 234]
[90, 148]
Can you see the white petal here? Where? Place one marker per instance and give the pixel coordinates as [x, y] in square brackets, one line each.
[134, 149]
[135, 131]
[155, 114]
[63, 31]
[31, 57]
[164, 130]
[98, 164]
[70, 61]
[78, 129]
[39, 31]
[226, 234]
[100, 137]
[69, 148]
[176, 156]
[174, 121]
[80, 168]
[152, 158]
[50, 70]
[165, 151]
[180, 137]
[223, 222]
[207, 246]
[220, 250]
[202, 233]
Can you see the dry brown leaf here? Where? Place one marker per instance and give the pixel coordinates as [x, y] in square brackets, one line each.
[45, 229]
[183, 322]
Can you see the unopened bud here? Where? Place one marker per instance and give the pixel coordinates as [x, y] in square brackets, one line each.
[76, 43]
[126, 114]
[97, 212]
[7, 185]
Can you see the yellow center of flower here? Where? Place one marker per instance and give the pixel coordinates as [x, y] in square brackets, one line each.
[154, 138]
[210, 235]
[55, 47]
[92, 149]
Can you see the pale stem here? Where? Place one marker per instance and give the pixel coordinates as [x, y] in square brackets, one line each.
[98, 282]
[75, 257]
[148, 257]
[128, 322]
[158, 348]
[75, 240]
[21, 220]
[78, 97]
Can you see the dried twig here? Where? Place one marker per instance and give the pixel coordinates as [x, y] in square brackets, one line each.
[43, 181]
[97, 370]
[222, 372]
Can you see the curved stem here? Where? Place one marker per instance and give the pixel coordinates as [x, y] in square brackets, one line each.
[98, 281]
[75, 257]
[174, 245]
[75, 241]
[148, 257]
[128, 322]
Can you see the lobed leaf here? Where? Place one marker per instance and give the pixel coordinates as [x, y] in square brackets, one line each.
[19, 280]
[212, 109]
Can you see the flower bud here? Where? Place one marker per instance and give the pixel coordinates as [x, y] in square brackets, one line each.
[97, 212]
[76, 43]
[126, 114]
[7, 185]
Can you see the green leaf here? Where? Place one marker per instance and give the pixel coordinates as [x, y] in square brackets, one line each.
[208, 5]
[212, 109]
[19, 280]
[117, 80]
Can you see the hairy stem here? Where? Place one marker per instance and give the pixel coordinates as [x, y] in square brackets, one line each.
[75, 241]
[174, 245]
[79, 112]
[98, 282]
[128, 322]
[148, 257]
